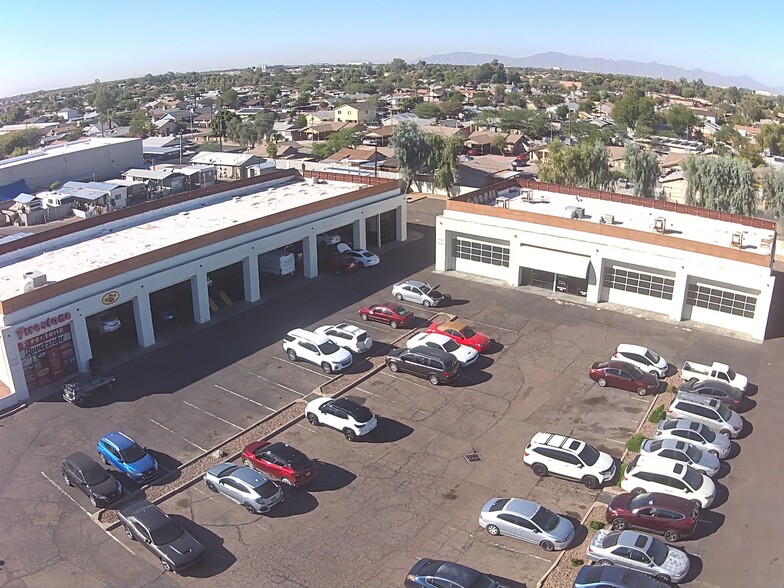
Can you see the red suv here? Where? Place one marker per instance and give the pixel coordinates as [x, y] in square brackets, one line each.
[623, 375]
[667, 515]
[280, 461]
[392, 314]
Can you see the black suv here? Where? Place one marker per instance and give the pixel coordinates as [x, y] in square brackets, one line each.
[436, 365]
[87, 475]
[85, 386]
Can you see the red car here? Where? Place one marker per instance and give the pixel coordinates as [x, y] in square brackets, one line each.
[463, 334]
[619, 374]
[392, 314]
[280, 461]
[667, 515]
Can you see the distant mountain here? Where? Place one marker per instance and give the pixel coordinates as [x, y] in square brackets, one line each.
[652, 69]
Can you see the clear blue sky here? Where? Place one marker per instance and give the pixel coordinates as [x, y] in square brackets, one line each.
[46, 44]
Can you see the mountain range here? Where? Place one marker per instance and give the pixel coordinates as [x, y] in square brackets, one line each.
[552, 59]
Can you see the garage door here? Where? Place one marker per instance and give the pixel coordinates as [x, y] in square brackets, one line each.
[559, 262]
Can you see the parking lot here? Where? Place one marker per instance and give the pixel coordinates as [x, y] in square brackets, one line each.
[377, 505]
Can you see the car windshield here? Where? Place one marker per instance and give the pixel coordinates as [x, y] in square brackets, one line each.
[328, 348]
[168, 533]
[132, 453]
[692, 478]
[694, 454]
[707, 434]
[730, 374]
[361, 336]
[451, 346]
[545, 519]
[400, 310]
[652, 356]
[658, 552]
[95, 475]
[266, 490]
[725, 412]
[468, 332]
[635, 373]
[588, 455]
[482, 581]
[639, 500]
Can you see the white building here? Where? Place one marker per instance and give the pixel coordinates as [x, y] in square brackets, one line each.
[685, 263]
[198, 253]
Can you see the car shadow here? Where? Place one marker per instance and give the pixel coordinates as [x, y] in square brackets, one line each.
[217, 560]
[734, 450]
[507, 583]
[695, 569]
[329, 477]
[297, 502]
[580, 531]
[450, 302]
[708, 523]
[417, 323]
[746, 404]
[166, 462]
[388, 431]
[471, 377]
[722, 495]
[482, 362]
[360, 364]
[724, 469]
[495, 347]
[751, 390]
[671, 370]
[747, 429]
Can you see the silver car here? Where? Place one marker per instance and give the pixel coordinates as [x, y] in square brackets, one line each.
[528, 521]
[637, 551]
[711, 412]
[245, 486]
[675, 450]
[419, 292]
[698, 435]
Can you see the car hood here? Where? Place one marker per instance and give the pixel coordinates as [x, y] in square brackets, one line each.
[563, 531]
[709, 461]
[106, 488]
[740, 381]
[341, 355]
[604, 462]
[736, 421]
[465, 353]
[480, 339]
[396, 352]
[146, 463]
[722, 442]
[676, 564]
[621, 501]
[708, 487]
[183, 550]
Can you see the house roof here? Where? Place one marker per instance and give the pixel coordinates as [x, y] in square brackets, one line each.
[148, 174]
[673, 159]
[229, 159]
[616, 153]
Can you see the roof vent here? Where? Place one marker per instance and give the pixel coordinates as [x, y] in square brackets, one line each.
[737, 240]
[575, 212]
[660, 225]
[502, 201]
[32, 280]
[608, 219]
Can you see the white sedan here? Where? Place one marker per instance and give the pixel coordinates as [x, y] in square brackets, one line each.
[362, 256]
[462, 353]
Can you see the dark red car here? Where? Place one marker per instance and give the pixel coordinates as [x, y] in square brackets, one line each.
[667, 515]
[619, 374]
[392, 314]
[336, 262]
[463, 334]
[280, 461]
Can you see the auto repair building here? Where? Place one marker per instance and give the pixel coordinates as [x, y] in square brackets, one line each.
[681, 262]
[197, 252]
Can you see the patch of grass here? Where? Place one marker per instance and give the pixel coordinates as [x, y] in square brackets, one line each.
[621, 472]
[597, 525]
[576, 562]
[657, 414]
[633, 444]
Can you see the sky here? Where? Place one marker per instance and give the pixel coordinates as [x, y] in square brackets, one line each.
[46, 44]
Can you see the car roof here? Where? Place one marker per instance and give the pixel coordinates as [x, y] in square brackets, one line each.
[522, 507]
[434, 337]
[315, 338]
[629, 348]
[283, 451]
[717, 384]
[119, 440]
[456, 325]
[618, 575]
[668, 500]
[354, 330]
[150, 516]
[634, 539]
[660, 464]
[697, 399]
[249, 476]
[679, 424]
[416, 283]
[454, 572]
[431, 352]
[560, 441]
[622, 365]
[353, 408]
[82, 461]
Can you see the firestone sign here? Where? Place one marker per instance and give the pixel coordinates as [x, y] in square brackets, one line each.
[42, 326]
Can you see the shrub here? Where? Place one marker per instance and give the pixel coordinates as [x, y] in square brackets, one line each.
[577, 562]
[633, 444]
[597, 525]
[657, 414]
[621, 472]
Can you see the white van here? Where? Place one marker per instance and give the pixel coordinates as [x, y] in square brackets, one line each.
[278, 263]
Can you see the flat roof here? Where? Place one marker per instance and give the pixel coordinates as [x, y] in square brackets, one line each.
[101, 248]
[639, 218]
[65, 149]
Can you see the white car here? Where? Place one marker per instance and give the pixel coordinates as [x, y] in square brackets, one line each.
[569, 458]
[711, 412]
[419, 292]
[648, 473]
[462, 353]
[362, 256]
[348, 337]
[643, 358]
[682, 452]
[105, 322]
[327, 239]
[343, 414]
[696, 434]
[316, 348]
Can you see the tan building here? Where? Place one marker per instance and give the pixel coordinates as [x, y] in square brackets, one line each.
[358, 112]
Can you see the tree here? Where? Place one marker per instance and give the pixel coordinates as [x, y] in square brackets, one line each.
[773, 192]
[642, 168]
[633, 110]
[771, 137]
[586, 165]
[220, 124]
[481, 99]
[562, 111]
[18, 142]
[720, 183]
[140, 124]
[228, 99]
[498, 143]
[264, 123]
[272, 149]
[103, 101]
[13, 115]
[411, 151]
[301, 121]
[406, 104]
[679, 118]
[587, 106]
[452, 107]
[427, 110]
[335, 142]
[446, 173]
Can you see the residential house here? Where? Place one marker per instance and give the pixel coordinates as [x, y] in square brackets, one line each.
[249, 112]
[748, 132]
[286, 131]
[355, 157]
[159, 183]
[69, 114]
[203, 119]
[158, 148]
[516, 143]
[616, 155]
[446, 132]
[356, 112]
[194, 176]
[106, 130]
[136, 191]
[324, 130]
[320, 117]
[166, 126]
[673, 187]
[396, 119]
[539, 154]
[230, 166]
[91, 198]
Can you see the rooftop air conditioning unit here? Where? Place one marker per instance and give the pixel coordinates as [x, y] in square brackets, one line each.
[608, 219]
[37, 278]
[660, 224]
[502, 202]
[575, 212]
[737, 240]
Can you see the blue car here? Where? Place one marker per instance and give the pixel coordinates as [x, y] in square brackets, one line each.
[614, 577]
[435, 572]
[125, 454]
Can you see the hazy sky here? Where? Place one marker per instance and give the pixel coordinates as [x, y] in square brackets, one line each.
[46, 44]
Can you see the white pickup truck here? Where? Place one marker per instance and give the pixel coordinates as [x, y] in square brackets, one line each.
[693, 372]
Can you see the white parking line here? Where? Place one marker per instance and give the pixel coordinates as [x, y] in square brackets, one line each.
[165, 428]
[278, 385]
[84, 510]
[301, 426]
[383, 373]
[244, 398]
[368, 392]
[614, 441]
[373, 325]
[471, 321]
[215, 416]
[505, 548]
[202, 492]
[302, 367]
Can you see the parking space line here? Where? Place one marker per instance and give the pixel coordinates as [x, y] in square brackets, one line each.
[301, 426]
[505, 548]
[382, 397]
[614, 441]
[302, 367]
[638, 399]
[202, 492]
[244, 398]
[165, 428]
[215, 416]
[470, 321]
[406, 381]
[278, 385]
[84, 510]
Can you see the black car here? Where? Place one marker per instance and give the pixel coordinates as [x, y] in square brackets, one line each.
[334, 261]
[168, 541]
[433, 572]
[436, 365]
[92, 479]
[728, 394]
[85, 386]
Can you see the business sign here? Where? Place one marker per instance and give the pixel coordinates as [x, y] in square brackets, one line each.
[42, 326]
[48, 357]
[110, 298]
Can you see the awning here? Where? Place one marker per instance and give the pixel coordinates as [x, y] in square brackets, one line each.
[557, 262]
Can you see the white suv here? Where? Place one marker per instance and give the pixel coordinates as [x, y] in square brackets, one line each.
[569, 458]
[642, 357]
[648, 473]
[347, 336]
[343, 414]
[316, 348]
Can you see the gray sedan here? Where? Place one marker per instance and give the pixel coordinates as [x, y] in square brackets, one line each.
[630, 549]
[675, 450]
[528, 521]
[245, 486]
[696, 434]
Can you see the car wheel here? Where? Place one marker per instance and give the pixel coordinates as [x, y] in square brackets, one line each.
[292, 354]
[590, 482]
[433, 379]
[641, 391]
[654, 373]
[250, 508]
[619, 524]
[313, 420]
[211, 487]
[247, 463]
[326, 367]
[103, 459]
[672, 535]
[663, 578]
[547, 546]
[93, 501]
[129, 533]
[604, 562]
[364, 317]
[426, 303]
[693, 381]
[350, 434]
[602, 382]
[493, 530]
[638, 491]
[393, 366]
[166, 565]
[393, 324]
[286, 481]
[726, 432]
[539, 469]
[399, 296]
[66, 479]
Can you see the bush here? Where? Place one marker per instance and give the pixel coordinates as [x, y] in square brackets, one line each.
[621, 472]
[577, 562]
[597, 525]
[633, 444]
[657, 414]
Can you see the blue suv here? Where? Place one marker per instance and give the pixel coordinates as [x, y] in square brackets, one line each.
[128, 456]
